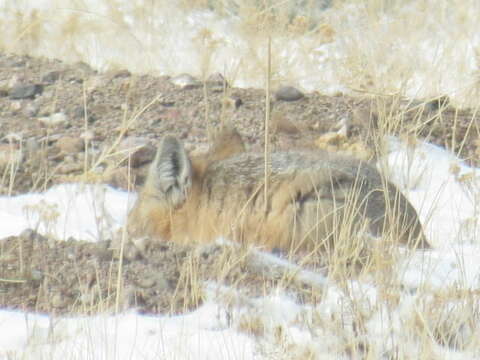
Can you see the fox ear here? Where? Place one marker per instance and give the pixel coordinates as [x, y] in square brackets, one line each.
[170, 174]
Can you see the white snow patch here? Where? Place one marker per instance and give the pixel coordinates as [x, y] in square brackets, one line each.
[439, 185]
[81, 211]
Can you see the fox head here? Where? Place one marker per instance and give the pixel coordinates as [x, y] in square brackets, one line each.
[174, 181]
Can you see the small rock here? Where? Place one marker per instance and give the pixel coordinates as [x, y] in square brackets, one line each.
[51, 77]
[88, 135]
[359, 151]
[281, 124]
[440, 103]
[161, 282]
[94, 82]
[288, 93]
[130, 252]
[15, 105]
[105, 254]
[146, 281]
[58, 301]
[185, 81]
[79, 113]
[8, 257]
[30, 109]
[131, 297]
[233, 102]
[70, 144]
[25, 91]
[3, 91]
[364, 117]
[121, 74]
[54, 119]
[87, 296]
[32, 145]
[36, 275]
[121, 177]
[31, 235]
[216, 82]
[138, 149]
[330, 138]
[69, 168]
[14, 137]
[142, 243]
[217, 79]
[10, 154]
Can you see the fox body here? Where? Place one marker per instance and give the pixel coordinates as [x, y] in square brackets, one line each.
[308, 199]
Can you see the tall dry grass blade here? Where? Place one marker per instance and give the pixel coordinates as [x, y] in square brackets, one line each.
[267, 121]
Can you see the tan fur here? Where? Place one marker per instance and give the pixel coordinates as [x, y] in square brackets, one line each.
[312, 195]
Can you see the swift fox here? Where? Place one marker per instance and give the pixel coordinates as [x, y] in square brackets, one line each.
[311, 196]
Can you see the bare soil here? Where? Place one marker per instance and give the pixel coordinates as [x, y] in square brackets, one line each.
[66, 122]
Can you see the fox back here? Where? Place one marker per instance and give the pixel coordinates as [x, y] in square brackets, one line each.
[309, 198]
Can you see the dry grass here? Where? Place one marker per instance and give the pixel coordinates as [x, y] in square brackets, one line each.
[383, 68]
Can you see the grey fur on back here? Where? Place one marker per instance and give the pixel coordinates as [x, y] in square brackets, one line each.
[377, 200]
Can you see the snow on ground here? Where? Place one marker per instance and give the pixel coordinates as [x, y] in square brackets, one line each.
[446, 194]
[200, 335]
[84, 212]
[426, 48]
[213, 331]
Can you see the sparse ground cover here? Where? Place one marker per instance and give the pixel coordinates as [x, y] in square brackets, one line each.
[68, 123]
[41, 274]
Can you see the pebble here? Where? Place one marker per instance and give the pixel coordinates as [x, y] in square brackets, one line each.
[15, 105]
[233, 102]
[70, 144]
[138, 149]
[142, 243]
[36, 275]
[363, 116]
[30, 109]
[331, 138]
[216, 82]
[217, 79]
[88, 135]
[58, 301]
[130, 252]
[87, 296]
[288, 93]
[146, 281]
[95, 82]
[70, 168]
[54, 119]
[32, 145]
[51, 77]
[121, 74]
[79, 113]
[13, 137]
[281, 124]
[161, 282]
[440, 103]
[25, 91]
[10, 154]
[185, 81]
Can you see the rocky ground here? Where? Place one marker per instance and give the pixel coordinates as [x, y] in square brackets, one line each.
[66, 123]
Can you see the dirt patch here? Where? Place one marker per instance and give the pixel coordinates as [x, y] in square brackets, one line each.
[63, 277]
[66, 122]
[38, 274]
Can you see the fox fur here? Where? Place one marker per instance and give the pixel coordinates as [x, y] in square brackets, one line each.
[310, 197]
